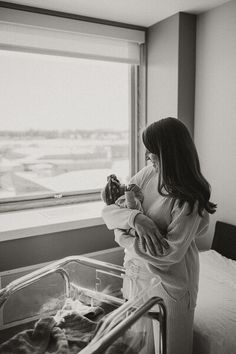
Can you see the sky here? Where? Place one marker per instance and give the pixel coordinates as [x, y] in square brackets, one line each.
[50, 92]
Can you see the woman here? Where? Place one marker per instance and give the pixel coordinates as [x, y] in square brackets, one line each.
[176, 206]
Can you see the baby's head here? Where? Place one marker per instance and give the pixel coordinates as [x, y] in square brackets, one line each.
[113, 190]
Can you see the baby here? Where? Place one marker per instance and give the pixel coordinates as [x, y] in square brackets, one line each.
[129, 196]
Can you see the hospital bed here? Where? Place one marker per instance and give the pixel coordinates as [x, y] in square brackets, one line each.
[132, 326]
[215, 314]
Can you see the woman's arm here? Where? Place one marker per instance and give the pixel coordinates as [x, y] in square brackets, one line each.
[123, 218]
[123, 239]
[119, 218]
[149, 236]
[180, 233]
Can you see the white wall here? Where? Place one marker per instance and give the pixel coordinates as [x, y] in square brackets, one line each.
[171, 69]
[215, 108]
[162, 69]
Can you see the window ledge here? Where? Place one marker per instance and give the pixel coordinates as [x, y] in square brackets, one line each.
[34, 222]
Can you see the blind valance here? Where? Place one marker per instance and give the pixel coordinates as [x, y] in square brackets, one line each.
[46, 34]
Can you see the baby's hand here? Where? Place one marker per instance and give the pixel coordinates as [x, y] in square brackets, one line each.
[136, 190]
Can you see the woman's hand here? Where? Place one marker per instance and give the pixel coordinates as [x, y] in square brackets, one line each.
[149, 235]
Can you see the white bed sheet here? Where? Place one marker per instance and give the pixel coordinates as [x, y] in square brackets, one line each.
[215, 315]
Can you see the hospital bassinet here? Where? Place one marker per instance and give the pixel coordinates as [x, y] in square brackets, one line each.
[45, 292]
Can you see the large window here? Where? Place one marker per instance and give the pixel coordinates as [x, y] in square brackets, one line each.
[65, 125]
[69, 98]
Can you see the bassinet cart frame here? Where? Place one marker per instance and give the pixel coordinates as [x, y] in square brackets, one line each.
[115, 329]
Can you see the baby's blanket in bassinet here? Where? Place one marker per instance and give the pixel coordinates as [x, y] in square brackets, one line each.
[70, 336]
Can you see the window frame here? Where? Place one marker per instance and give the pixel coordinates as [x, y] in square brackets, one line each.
[137, 112]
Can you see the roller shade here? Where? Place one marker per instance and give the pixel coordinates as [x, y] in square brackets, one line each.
[31, 32]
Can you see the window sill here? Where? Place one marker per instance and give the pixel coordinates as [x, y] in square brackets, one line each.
[27, 223]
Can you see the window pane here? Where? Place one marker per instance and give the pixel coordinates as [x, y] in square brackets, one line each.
[64, 124]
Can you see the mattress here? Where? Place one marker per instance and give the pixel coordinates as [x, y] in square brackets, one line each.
[215, 315]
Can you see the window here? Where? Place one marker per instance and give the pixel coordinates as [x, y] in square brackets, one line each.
[67, 116]
[65, 124]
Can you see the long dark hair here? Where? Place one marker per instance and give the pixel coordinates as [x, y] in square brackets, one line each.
[180, 173]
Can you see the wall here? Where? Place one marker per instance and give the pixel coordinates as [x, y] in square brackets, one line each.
[171, 69]
[215, 108]
[162, 69]
[44, 248]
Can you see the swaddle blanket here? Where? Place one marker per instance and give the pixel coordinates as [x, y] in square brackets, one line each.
[68, 337]
[70, 330]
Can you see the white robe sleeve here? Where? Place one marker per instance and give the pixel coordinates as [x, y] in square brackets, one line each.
[180, 233]
[123, 239]
[119, 218]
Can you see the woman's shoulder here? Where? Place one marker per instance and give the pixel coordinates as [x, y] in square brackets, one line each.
[147, 171]
[143, 175]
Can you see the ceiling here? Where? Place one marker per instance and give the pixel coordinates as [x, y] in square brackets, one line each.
[136, 12]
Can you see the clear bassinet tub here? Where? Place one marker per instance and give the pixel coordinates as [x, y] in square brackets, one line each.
[91, 291]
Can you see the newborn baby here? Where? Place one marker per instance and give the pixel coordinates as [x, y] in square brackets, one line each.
[129, 196]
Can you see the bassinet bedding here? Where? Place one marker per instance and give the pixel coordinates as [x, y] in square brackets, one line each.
[68, 332]
[215, 316]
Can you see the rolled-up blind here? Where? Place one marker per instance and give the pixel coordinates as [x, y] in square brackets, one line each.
[32, 32]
